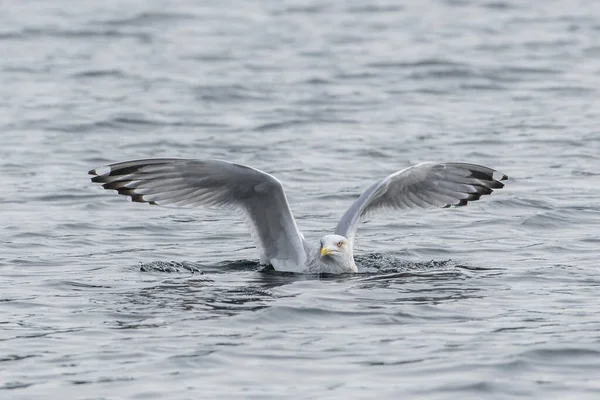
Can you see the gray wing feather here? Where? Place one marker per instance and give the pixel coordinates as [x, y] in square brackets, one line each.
[424, 185]
[215, 183]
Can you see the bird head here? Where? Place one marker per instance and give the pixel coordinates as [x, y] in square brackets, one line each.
[335, 248]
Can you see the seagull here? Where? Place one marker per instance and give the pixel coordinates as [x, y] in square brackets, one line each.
[260, 199]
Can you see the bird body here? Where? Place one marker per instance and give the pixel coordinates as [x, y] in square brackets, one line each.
[260, 198]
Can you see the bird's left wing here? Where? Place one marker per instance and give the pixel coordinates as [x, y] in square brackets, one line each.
[424, 185]
[221, 184]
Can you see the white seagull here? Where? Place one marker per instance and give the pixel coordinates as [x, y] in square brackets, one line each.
[261, 200]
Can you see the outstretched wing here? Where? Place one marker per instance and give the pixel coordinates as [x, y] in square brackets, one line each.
[221, 184]
[424, 185]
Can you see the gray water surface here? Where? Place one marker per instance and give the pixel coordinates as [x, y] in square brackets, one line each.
[101, 298]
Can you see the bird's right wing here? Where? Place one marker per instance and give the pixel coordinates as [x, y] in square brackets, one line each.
[425, 185]
[185, 182]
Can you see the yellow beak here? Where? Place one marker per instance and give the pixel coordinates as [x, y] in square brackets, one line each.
[325, 251]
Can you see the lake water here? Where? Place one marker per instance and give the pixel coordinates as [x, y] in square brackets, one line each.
[104, 299]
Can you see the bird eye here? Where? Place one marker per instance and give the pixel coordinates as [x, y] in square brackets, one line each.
[340, 243]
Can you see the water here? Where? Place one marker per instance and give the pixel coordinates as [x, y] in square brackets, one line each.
[101, 298]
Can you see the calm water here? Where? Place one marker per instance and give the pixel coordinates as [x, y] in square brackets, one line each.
[101, 298]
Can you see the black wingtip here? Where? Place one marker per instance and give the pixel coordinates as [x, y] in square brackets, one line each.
[98, 179]
[462, 203]
[474, 196]
[484, 176]
[485, 190]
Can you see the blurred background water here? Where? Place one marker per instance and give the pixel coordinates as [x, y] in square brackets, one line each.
[100, 298]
